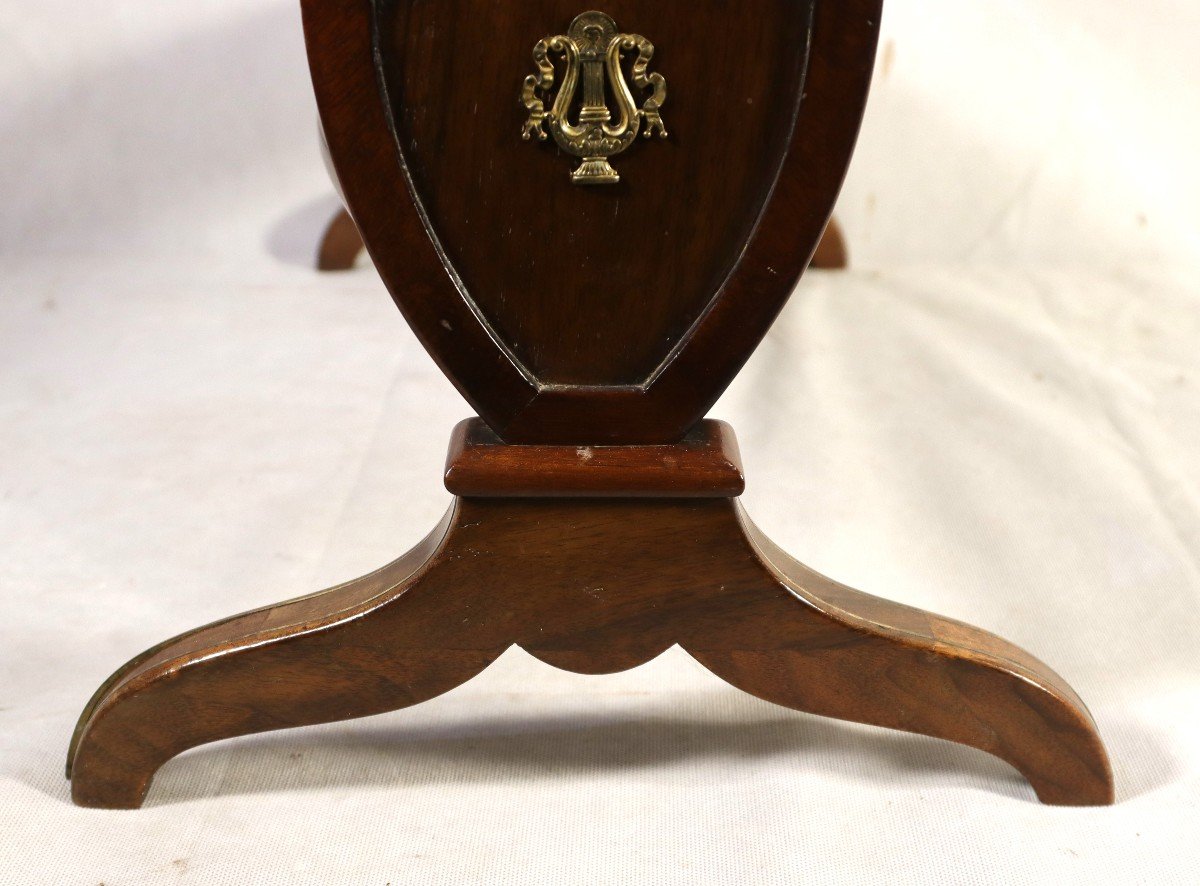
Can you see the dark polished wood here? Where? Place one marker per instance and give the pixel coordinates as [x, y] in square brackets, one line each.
[573, 270]
[706, 464]
[595, 522]
[341, 246]
[593, 586]
[601, 315]
[831, 254]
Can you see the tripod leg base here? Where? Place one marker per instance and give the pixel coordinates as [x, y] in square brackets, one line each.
[594, 586]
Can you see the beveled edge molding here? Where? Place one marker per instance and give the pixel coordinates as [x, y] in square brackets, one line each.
[705, 464]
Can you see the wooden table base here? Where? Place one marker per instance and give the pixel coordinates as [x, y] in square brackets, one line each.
[602, 578]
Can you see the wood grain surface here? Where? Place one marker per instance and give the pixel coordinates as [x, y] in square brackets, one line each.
[706, 464]
[590, 315]
[341, 245]
[594, 328]
[593, 586]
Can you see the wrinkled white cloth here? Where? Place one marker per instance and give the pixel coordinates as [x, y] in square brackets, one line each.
[994, 416]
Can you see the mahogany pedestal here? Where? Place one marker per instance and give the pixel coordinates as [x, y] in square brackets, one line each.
[594, 560]
[590, 291]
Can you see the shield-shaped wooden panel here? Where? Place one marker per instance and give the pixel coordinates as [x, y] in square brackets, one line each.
[591, 313]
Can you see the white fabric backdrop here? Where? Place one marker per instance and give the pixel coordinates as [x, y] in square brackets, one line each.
[994, 416]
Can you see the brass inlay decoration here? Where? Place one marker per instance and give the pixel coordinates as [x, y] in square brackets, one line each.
[593, 50]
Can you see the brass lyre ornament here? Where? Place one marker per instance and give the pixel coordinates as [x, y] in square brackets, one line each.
[592, 50]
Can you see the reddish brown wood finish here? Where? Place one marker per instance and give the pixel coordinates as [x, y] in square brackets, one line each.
[706, 464]
[574, 315]
[483, 254]
[559, 271]
[342, 244]
[593, 586]
[831, 254]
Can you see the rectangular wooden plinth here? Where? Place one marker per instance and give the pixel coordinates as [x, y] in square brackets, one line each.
[705, 464]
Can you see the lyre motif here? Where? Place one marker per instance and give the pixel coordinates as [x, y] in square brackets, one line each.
[592, 50]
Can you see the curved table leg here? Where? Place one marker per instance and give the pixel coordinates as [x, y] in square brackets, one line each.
[341, 244]
[831, 254]
[351, 651]
[827, 649]
[594, 586]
